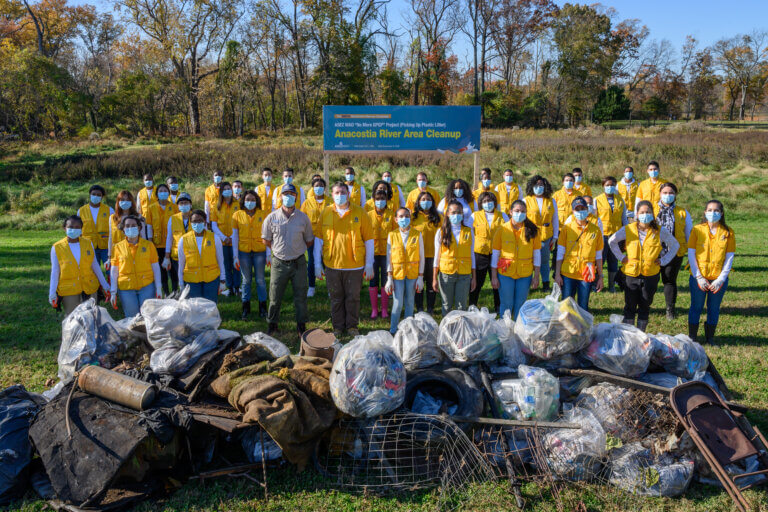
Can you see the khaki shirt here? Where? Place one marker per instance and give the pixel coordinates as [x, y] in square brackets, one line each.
[289, 235]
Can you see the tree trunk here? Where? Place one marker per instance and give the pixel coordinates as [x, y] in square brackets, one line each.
[194, 111]
[743, 99]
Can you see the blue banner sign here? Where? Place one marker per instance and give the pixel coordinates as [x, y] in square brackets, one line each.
[387, 128]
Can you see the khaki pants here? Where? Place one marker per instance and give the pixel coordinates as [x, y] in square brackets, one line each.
[344, 289]
[70, 302]
[282, 273]
[454, 291]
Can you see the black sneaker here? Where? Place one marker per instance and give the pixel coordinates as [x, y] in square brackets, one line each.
[301, 328]
[272, 329]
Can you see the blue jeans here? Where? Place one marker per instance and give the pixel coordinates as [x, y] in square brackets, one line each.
[311, 267]
[133, 299]
[232, 277]
[102, 255]
[513, 293]
[253, 263]
[698, 298]
[405, 291]
[208, 291]
[572, 287]
[545, 260]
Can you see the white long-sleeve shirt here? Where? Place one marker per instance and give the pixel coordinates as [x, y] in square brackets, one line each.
[114, 274]
[56, 269]
[182, 258]
[666, 237]
[401, 196]
[404, 238]
[456, 230]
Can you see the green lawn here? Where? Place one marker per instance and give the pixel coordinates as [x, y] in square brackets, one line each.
[30, 332]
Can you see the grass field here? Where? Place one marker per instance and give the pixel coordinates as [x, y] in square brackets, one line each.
[30, 333]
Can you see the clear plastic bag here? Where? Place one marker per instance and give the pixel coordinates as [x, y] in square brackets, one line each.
[620, 349]
[608, 403]
[471, 335]
[416, 342]
[251, 439]
[275, 347]
[576, 454]
[548, 328]
[679, 355]
[176, 357]
[180, 320]
[634, 469]
[368, 377]
[534, 396]
[512, 354]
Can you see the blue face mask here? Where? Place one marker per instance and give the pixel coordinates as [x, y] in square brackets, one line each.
[538, 190]
[288, 180]
[131, 232]
[425, 205]
[74, 233]
[629, 175]
[349, 177]
[226, 193]
[174, 187]
[237, 191]
[518, 217]
[653, 174]
[422, 184]
[380, 204]
[568, 185]
[184, 208]
[289, 200]
[267, 179]
[645, 218]
[198, 227]
[578, 179]
[125, 205]
[458, 192]
[249, 205]
[387, 179]
[319, 191]
[163, 196]
[217, 179]
[609, 190]
[488, 207]
[714, 216]
[340, 199]
[668, 198]
[404, 222]
[95, 199]
[148, 183]
[456, 218]
[581, 214]
[486, 183]
[508, 178]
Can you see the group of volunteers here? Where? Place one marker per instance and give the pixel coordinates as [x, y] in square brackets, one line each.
[408, 247]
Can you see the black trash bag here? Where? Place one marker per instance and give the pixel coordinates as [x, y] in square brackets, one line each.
[17, 410]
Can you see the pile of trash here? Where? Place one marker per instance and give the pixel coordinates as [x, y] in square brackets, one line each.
[553, 396]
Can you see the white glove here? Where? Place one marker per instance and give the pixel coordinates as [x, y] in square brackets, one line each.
[390, 286]
[223, 288]
[319, 271]
[420, 284]
[368, 272]
[715, 285]
[52, 300]
[167, 263]
[703, 283]
[113, 300]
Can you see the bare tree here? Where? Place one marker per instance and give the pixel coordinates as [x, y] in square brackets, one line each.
[740, 58]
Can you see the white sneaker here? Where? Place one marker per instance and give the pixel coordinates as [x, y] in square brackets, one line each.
[311, 291]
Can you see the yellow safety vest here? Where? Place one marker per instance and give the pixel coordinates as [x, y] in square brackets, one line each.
[212, 195]
[314, 211]
[177, 231]
[134, 268]
[223, 217]
[265, 197]
[95, 230]
[515, 252]
[405, 258]
[158, 218]
[648, 191]
[200, 268]
[249, 230]
[117, 233]
[382, 225]
[75, 278]
[413, 197]
[583, 189]
[143, 200]
[427, 230]
[484, 233]
[563, 200]
[458, 258]
[507, 198]
[542, 218]
[641, 258]
[711, 249]
[579, 250]
[344, 237]
[628, 193]
[611, 217]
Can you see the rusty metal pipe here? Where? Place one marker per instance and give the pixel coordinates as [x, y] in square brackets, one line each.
[116, 387]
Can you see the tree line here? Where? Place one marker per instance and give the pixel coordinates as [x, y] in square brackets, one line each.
[237, 67]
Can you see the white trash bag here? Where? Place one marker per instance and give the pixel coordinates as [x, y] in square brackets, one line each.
[576, 454]
[469, 336]
[368, 377]
[181, 320]
[635, 470]
[416, 342]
